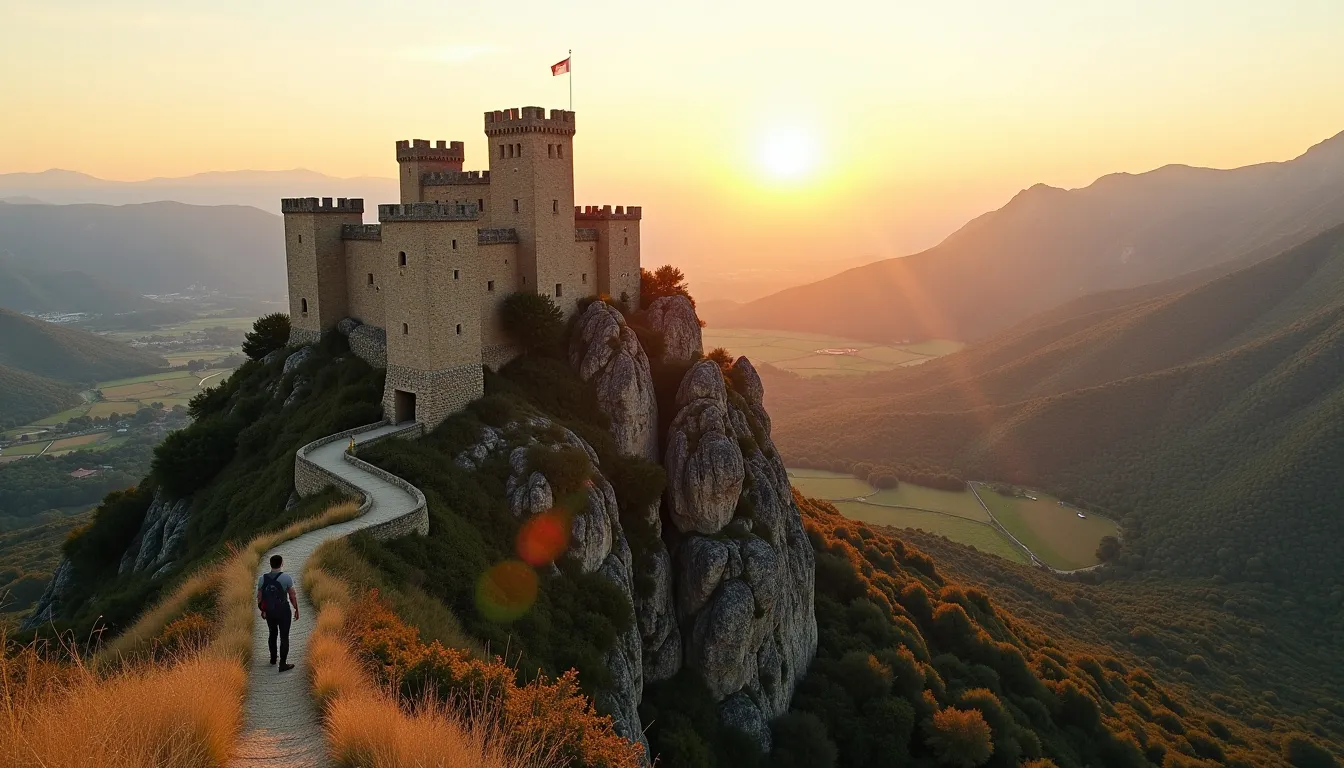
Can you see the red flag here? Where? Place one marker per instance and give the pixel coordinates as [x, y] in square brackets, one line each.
[560, 69]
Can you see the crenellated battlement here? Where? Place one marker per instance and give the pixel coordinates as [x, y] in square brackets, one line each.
[494, 235]
[420, 149]
[585, 235]
[429, 212]
[449, 178]
[324, 205]
[529, 120]
[605, 213]
[361, 231]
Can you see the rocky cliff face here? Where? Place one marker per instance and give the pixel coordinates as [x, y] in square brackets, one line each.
[744, 567]
[731, 594]
[162, 534]
[675, 319]
[606, 351]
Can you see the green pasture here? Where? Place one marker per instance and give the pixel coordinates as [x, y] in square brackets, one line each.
[25, 449]
[802, 353]
[820, 484]
[959, 503]
[982, 536]
[1055, 534]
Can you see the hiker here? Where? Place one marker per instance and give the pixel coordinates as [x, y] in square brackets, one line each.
[272, 590]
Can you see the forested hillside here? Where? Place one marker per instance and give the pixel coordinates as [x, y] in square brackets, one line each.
[24, 397]
[157, 247]
[1048, 246]
[1208, 421]
[67, 354]
[27, 289]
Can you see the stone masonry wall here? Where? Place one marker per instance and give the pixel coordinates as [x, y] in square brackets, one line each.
[301, 336]
[309, 479]
[438, 394]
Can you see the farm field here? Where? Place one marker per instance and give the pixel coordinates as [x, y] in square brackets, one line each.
[170, 388]
[1055, 534]
[189, 326]
[813, 354]
[982, 536]
[959, 503]
[25, 449]
[820, 484]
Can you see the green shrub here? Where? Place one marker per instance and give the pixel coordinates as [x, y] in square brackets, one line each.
[189, 458]
[269, 333]
[799, 741]
[1302, 752]
[565, 466]
[533, 321]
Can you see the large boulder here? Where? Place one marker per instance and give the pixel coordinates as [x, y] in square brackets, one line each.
[703, 457]
[53, 598]
[744, 566]
[675, 319]
[606, 351]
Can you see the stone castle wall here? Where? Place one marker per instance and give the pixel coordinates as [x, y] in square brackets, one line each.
[310, 479]
[438, 394]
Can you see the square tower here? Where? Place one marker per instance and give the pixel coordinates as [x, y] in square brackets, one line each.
[416, 159]
[433, 314]
[315, 261]
[532, 191]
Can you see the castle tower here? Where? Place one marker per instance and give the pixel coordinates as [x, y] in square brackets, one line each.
[617, 248]
[532, 191]
[433, 280]
[417, 158]
[315, 260]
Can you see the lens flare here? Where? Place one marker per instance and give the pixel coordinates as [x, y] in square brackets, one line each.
[543, 538]
[506, 591]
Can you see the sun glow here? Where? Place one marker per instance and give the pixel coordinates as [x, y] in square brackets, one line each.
[788, 152]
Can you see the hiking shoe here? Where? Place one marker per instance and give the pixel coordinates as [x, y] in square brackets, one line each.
[286, 667]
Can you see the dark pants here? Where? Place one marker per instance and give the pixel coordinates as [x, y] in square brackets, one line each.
[279, 624]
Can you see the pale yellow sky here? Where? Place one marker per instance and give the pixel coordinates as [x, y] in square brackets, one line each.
[914, 116]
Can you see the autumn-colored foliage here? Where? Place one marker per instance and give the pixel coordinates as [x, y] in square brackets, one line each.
[960, 738]
[553, 713]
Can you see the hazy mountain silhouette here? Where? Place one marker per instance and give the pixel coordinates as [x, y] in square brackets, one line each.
[1204, 417]
[25, 289]
[1049, 245]
[153, 247]
[67, 354]
[259, 189]
[25, 397]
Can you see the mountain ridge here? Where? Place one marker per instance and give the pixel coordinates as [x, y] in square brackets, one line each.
[1047, 246]
[67, 354]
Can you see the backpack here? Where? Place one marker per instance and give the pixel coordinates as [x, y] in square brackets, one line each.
[273, 597]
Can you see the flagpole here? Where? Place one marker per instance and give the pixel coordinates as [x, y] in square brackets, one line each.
[571, 79]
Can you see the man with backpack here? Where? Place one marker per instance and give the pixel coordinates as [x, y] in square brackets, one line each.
[272, 590]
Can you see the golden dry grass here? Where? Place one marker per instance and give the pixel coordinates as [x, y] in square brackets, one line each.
[61, 714]
[366, 726]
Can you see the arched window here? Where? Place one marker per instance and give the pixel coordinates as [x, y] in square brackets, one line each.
[405, 329]
[401, 257]
[303, 306]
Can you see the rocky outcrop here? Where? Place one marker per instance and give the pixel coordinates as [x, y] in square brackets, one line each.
[53, 597]
[675, 319]
[744, 568]
[161, 536]
[597, 543]
[703, 458]
[606, 351]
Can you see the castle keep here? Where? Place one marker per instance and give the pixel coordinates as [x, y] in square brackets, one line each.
[434, 270]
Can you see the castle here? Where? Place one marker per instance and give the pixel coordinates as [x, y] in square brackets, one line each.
[434, 270]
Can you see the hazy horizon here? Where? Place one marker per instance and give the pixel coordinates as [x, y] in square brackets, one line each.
[755, 143]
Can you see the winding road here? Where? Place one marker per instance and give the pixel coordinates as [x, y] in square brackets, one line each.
[283, 727]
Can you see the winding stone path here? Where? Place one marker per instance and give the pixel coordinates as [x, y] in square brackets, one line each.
[282, 725]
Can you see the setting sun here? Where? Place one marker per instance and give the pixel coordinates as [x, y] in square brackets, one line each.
[788, 152]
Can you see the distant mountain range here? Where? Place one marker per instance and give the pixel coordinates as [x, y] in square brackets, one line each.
[29, 290]
[25, 397]
[67, 354]
[1210, 419]
[161, 247]
[1048, 246]
[259, 189]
